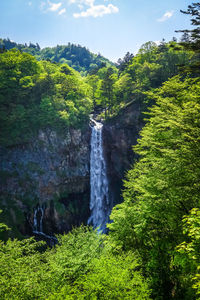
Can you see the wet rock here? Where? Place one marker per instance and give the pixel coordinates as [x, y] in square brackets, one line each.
[41, 172]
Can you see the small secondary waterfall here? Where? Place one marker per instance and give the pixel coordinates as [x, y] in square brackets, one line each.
[38, 220]
[38, 226]
[99, 195]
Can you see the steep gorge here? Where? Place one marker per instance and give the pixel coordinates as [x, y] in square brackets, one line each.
[53, 172]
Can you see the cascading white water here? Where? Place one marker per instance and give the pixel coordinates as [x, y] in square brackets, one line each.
[38, 225]
[38, 220]
[99, 194]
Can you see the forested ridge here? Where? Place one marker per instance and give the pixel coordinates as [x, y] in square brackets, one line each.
[38, 94]
[76, 56]
[152, 248]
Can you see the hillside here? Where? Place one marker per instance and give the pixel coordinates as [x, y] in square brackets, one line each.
[76, 56]
[99, 187]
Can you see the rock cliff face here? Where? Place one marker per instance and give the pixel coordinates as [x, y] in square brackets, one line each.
[52, 172]
[120, 134]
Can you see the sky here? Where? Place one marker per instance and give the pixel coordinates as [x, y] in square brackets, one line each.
[109, 27]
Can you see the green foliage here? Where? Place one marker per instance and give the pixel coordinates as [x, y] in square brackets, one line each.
[94, 82]
[11, 215]
[23, 270]
[80, 266]
[155, 64]
[3, 227]
[152, 66]
[123, 63]
[30, 271]
[107, 91]
[71, 257]
[31, 83]
[188, 256]
[193, 34]
[80, 58]
[110, 277]
[145, 238]
[38, 95]
[158, 189]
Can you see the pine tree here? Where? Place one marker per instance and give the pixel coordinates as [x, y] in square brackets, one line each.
[191, 38]
[194, 34]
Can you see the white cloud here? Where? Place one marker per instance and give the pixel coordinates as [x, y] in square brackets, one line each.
[97, 11]
[29, 3]
[88, 2]
[92, 10]
[166, 16]
[54, 6]
[62, 11]
[80, 6]
[84, 2]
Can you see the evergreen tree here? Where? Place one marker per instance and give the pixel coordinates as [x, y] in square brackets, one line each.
[123, 63]
[191, 37]
[193, 34]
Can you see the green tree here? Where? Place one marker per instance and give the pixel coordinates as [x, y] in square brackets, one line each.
[94, 82]
[123, 88]
[158, 189]
[147, 51]
[123, 63]
[109, 277]
[107, 91]
[23, 270]
[188, 256]
[37, 95]
[191, 37]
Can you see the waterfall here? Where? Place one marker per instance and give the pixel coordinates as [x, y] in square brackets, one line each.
[38, 220]
[99, 195]
[38, 226]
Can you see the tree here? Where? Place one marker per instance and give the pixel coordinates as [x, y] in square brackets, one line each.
[123, 88]
[38, 94]
[163, 185]
[193, 34]
[191, 38]
[107, 90]
[123, 63]
[94, 82]
[23, 270]
[108, 277]
[185, 38]
[147, 50]
[188, 255]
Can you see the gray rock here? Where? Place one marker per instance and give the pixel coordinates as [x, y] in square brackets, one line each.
[120, 134]
[42, 171]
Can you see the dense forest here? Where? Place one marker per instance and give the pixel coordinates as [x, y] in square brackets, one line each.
[77, 57]
[152, 248]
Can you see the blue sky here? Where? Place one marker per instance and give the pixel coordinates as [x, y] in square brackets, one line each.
[109, 27]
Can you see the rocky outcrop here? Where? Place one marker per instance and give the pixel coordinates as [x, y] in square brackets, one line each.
[120, 134]
[52, 171]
